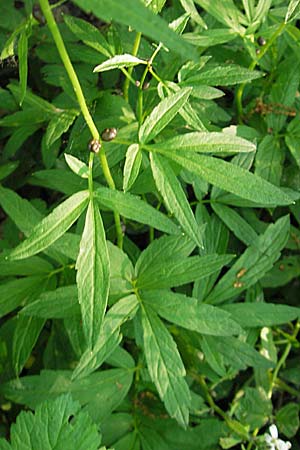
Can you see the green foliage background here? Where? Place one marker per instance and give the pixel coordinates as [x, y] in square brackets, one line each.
[149, 265]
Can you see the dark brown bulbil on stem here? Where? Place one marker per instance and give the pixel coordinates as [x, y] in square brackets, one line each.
[109, 134]
[261, 41]
[94, 145]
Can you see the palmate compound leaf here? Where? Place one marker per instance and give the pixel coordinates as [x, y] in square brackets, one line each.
[257, 259]
[92, 274]
[52, 227]
[134, 14]
[230, 177]
[162, 114]
[188, 312]
[165, 366]
[174, 197]
[55, 424]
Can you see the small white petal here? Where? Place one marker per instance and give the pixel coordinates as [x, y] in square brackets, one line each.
[268, 438]
[273, 431]
[281, 445]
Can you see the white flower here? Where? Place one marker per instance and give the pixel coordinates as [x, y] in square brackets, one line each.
[273, 442]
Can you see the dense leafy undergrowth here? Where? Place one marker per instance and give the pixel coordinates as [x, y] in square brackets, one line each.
[149, 266]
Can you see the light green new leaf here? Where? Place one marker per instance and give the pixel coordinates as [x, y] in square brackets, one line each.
[179, 272]
[92, 278]
[118, 62]
[134, 14]
[165, 366]
[26, 333]
[57, 304]
[293, 11]
[132, 166]
[108, 339]
[174, 198]
[52, 227]
[88, 34]
[257, 259]
[77, 166]
[162, 114]
[53, 424]
[155, 5]
[261, 314]
[230, 177]
[134, 208]
[188, 312]
[189, 7]
[205, 143]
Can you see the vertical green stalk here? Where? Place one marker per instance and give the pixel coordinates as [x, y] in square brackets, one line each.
[240, 90]
[135, 50]
[46, 9]
[68, 66]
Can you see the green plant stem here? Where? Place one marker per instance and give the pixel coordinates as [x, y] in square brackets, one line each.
[280, 384]
[282, 359]
[46, 9]
[68, 66]
[240, 90]
[216, 408]
[135, 50]
[254, 434]
[142, 80]
[90, 177]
